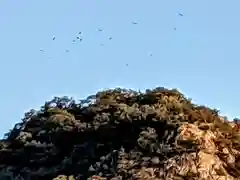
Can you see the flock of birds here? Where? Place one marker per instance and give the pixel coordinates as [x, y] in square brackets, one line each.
[79, 38]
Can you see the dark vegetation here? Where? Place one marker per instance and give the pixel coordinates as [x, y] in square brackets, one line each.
[122, 134]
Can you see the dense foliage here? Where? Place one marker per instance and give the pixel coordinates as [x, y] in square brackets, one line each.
[122, 134]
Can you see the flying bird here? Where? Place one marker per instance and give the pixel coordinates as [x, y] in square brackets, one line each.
[53, 38]
[67, 50]
[80, 39]
[134, 23]
[73, 41]
[180, 14]
[100, 30]
[175, 29]
[110, 38]
[80, 32]
[41, 50]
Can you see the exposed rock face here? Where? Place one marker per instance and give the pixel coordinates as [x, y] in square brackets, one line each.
[122, 134]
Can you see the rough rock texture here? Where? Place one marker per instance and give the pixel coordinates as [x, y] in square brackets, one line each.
[122, 134]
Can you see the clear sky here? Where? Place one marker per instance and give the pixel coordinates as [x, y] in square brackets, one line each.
[200, 57]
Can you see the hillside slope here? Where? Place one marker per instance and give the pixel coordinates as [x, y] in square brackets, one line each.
[122, 134]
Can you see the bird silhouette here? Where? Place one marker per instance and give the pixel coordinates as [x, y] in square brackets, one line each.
[53, 38]
[73, 41]
[175, 29]
[80, 39]
[41, 50]
[134, 23]
[110, 38]
[80, 32]
[67, 50]
[180, 14]
[100, 30]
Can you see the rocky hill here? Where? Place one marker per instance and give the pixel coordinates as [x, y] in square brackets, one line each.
[122, 134]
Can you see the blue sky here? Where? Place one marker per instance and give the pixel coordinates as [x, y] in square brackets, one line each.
[200, 57]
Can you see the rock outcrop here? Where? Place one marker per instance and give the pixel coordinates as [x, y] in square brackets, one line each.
[122, 134]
